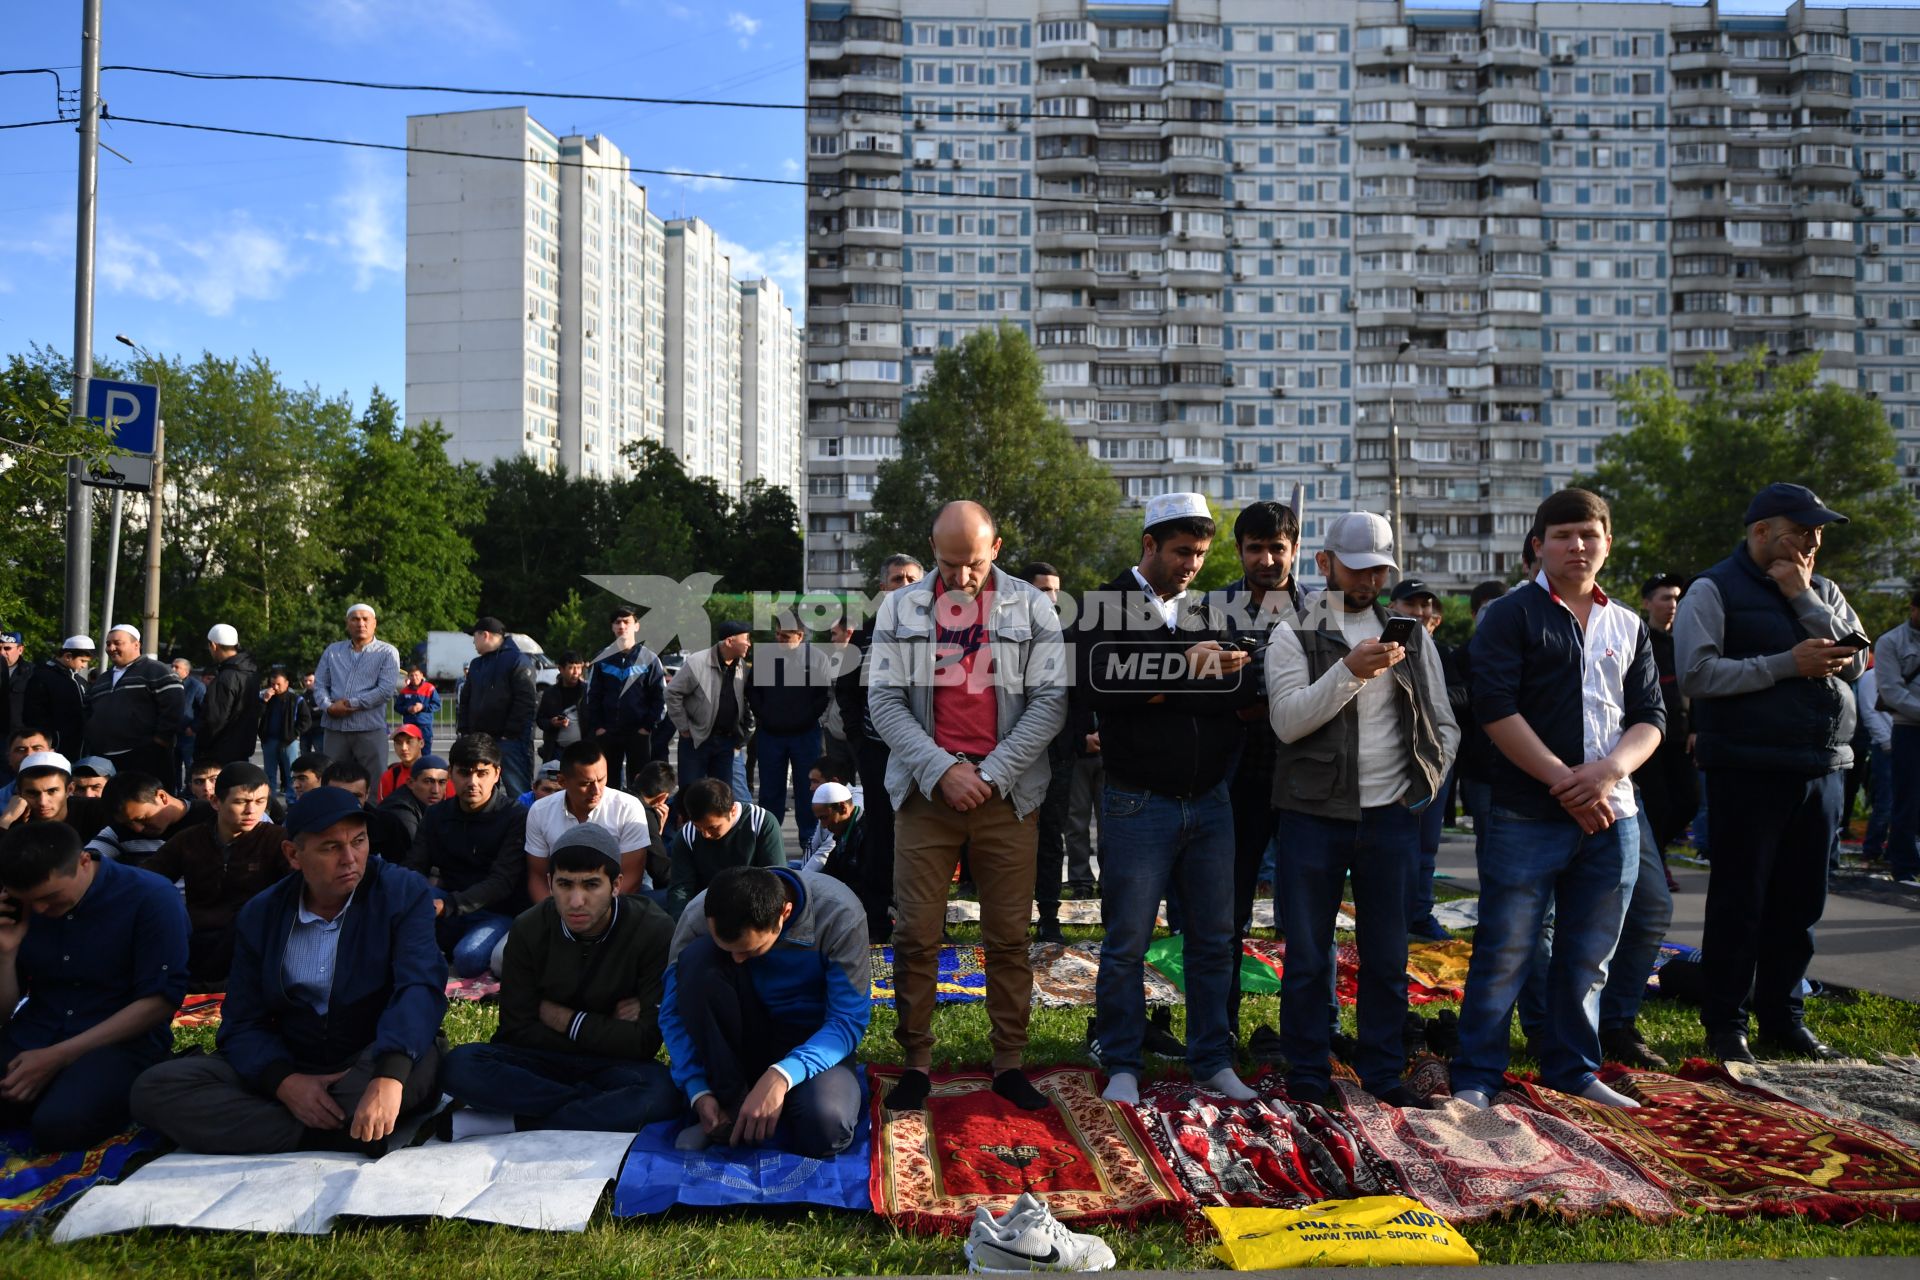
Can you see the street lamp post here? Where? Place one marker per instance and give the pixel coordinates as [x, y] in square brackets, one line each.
[1393, 456]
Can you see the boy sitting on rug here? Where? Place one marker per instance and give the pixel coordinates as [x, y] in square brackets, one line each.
[102, 967]
[220, 866]
[719, 833]
[579, 1004]
[330, 1031]
[768, 994]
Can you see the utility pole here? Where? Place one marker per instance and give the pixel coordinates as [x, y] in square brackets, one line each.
[79, 498]
[150, 614]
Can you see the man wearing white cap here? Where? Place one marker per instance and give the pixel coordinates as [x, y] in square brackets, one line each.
[352, 686]
[1155, 663]
[834, 846]
[135, 709]
[230, 717]
[1365, 737]
[57, 695]
[41, 793]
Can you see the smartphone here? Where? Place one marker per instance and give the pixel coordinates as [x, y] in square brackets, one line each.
[1855, 640]
[1399, 630]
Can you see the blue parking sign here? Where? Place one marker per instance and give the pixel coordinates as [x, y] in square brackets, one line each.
[129, 410]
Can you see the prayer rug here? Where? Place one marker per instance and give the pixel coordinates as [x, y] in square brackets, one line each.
[1468, 1165]
[1438, 968]
[1076, 911]
[657, 1176]
[31, 1183]
[1263, 960]
[1458, 913]
[1091, 1160]
[485, 987]
[962, 978]
[1722, 1147]
[201, 1009]
[1263, 917]
[1270, 1152]
[1882, 1096]
[1669, 952]
[1064, 976]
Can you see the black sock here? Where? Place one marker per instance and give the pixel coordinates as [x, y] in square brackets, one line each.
[1013, 1085]
[910, 1094]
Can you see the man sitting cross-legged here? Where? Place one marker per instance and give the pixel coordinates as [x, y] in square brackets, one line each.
[99, 950]
[220, 866]
[579, 1004]
[330, 1030]
[768, 995]
[719, 832]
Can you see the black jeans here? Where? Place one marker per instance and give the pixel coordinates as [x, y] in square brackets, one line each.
[736, 1039]
[1255, 822]
[876, 890]
[1052, 849]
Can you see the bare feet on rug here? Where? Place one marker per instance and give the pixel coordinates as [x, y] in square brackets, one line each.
[1123, 1087]
[1475, 1098]
[1600, 1093]
[1225, 1081]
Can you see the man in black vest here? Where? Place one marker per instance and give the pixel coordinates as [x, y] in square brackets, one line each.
[1762, 646]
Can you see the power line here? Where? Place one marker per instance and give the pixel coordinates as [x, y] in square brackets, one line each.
[34, 124]
[816, 184]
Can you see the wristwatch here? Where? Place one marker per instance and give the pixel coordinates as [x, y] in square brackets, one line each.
[986, 778]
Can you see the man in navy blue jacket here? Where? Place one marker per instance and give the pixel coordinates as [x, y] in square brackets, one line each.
[330, 1030]
[1564, 683]
[626, 696]
[499, 699]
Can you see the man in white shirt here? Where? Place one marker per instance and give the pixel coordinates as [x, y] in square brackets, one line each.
[1366, 737]
[584, 796]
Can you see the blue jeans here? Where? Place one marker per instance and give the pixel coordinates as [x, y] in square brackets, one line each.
[1879, 802]
[1529, 864]
[715, 759]
[1316, 855]
[561, 1090]
[1476, 797]
[516, 764]
[1700, 822]
[475, 937]
[1903, 849]
[1432, 826]
[278, 759]
[1649, 912]
[1147, 843]
[779, 753]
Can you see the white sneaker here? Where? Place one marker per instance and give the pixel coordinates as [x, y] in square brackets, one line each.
[1028, 1238]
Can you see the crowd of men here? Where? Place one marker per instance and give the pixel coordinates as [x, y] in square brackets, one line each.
[977, 726]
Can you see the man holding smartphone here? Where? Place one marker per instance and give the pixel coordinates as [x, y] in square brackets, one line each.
[1766, 649]
[1358, 700]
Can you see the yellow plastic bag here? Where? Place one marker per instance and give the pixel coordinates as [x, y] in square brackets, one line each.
[1371, 1231]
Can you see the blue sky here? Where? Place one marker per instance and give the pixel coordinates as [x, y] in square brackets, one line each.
[296, 250]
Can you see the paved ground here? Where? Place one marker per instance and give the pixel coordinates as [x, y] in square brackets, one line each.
[1751, 1269]
[1866, 940]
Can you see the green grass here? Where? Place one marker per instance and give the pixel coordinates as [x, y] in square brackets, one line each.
[816, 1242]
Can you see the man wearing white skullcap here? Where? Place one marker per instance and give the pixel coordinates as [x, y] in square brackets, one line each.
[230, 717]
[135, 710]
[352, 686]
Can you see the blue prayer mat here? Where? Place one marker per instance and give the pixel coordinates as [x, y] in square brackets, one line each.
[32, 1183]
[962, 978]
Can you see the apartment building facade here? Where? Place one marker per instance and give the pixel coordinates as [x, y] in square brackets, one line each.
[1252, 242]
[552, 313]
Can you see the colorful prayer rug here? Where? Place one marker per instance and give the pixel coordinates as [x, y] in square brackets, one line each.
[1669, 952]
[1263, 960]
[1438, 968]
[485, 987]
[962, 978]
[201, 1009]
[1089, 1159]
[1882, 1096]
[1722, 1147]
[1064, 976]
[32, 1183]
[656, 1175]
[1270, 1152]
[1468, 1165]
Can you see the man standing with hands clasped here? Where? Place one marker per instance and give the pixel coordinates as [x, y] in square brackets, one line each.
[1766, 649]
[1565, 685]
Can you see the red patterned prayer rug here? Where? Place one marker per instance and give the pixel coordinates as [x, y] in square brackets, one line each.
[1468, 1165]
[201, 1009]
[1090, 1160]
[1268, 1153]
[1721, 1147]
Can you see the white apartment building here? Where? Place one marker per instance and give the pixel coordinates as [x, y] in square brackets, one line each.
[771, 406]
[1247, 237]
[552, 313]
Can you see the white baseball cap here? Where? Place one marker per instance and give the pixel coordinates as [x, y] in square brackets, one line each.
[1361, 540]
[223, 635]
[130, 630]
[78, 644]
[1175, 506]
[832, 793]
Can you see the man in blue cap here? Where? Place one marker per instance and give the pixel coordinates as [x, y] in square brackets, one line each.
[330, 1030]
[1765, 647]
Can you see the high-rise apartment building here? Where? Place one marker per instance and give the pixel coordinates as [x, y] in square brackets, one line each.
[1253, 241]
[552, 314]
[771, 406]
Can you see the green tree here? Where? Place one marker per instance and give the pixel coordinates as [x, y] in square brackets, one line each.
[570, 627]
[765, 549]
[542, 530]
[401, 518]
[1679, 479]
[980, 430]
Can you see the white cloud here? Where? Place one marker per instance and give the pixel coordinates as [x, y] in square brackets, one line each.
[790, 167]
[211, 269]
[369, 232]
[784, 262]
[700, 181]
[744, 26]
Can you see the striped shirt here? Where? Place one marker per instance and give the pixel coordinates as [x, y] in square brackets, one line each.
[307, 968]
[366, 680]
